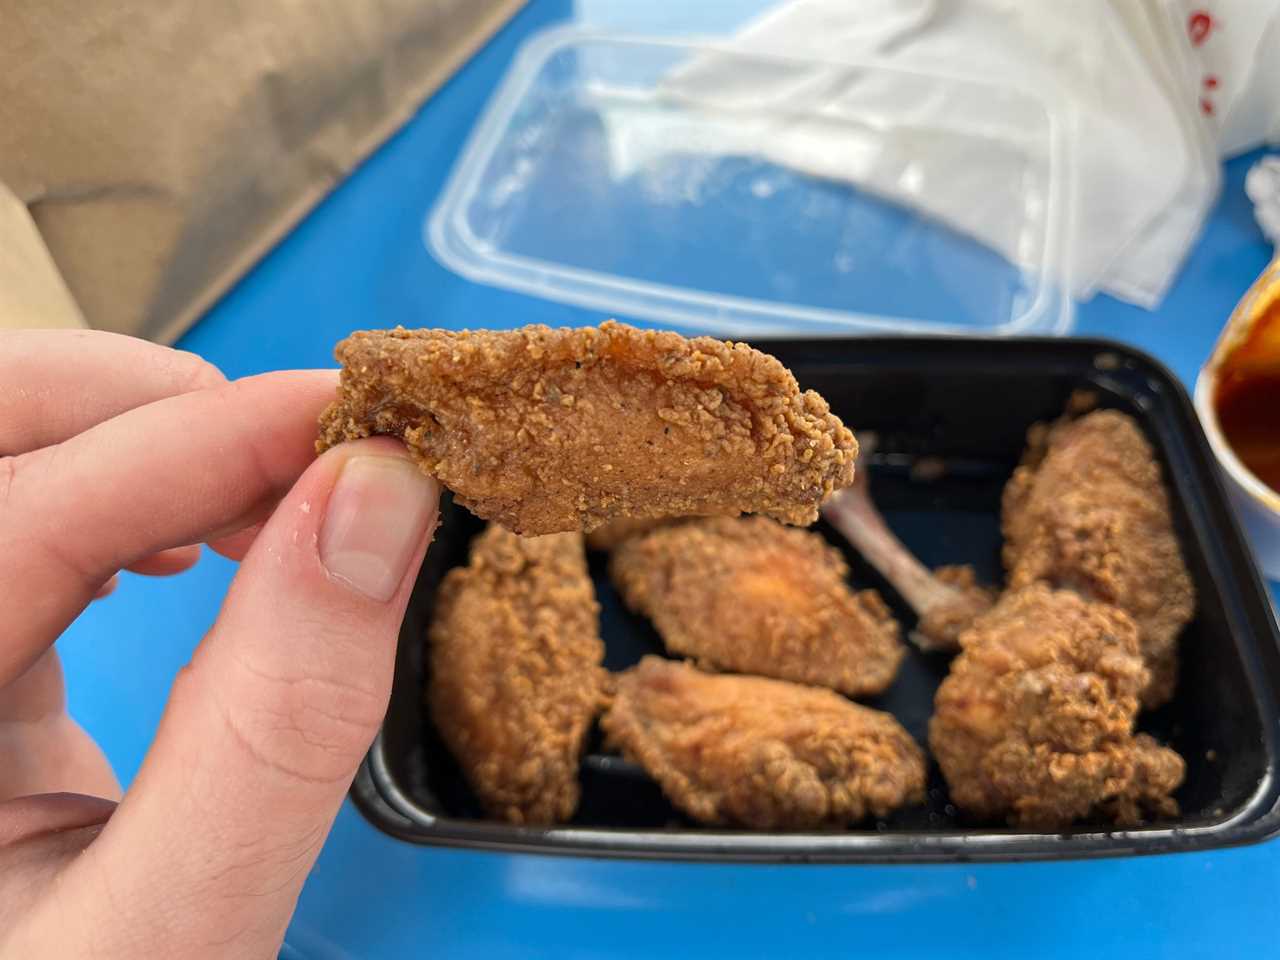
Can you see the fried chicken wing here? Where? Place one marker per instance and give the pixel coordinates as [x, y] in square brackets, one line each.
[747, 751]
[1035, 721]
[516, 676]
[750, 595]
[547, 430]
[1088, 511]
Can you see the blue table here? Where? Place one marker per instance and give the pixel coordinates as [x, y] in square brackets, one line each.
[359, 261]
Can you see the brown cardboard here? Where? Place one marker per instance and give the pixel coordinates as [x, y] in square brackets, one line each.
[162, 148]
[32, 293]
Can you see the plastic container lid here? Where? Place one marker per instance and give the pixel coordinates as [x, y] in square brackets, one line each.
[629, 175]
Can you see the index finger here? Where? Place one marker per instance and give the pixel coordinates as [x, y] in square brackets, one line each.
[55, 384]
[160, 476]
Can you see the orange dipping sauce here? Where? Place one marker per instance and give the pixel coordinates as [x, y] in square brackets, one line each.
[1248, 399]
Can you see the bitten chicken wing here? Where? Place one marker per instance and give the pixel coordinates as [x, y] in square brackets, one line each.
[1035, 721]
[946, 600]
[752, 596]
[746, 751]
[1088, 511]
[516, 676]
[547, 430]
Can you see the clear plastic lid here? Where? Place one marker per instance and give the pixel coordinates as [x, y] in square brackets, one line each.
[743, 193]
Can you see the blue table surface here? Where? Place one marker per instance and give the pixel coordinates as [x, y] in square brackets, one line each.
[359, 261]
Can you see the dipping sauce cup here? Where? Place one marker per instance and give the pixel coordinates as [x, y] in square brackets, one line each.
[1238, 399]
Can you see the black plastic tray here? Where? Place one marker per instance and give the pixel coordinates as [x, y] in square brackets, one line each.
[968, 402]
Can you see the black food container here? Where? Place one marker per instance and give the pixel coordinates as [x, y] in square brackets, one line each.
[966, 406]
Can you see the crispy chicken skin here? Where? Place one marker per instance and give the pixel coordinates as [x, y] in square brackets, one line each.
[746, 751]
[749, 595]
[1088, 511]
[1035, 721]
[546, 431]
[516, 675]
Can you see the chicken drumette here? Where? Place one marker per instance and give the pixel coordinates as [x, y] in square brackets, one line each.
[1035, 720]
[747, 751]
[749, 595]
[1088, 511]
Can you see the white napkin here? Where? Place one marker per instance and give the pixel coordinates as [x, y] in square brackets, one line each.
[1146, 173]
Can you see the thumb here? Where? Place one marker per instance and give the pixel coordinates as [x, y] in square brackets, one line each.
[265, 728]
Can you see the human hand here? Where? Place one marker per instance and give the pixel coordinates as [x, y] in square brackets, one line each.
[118, 454]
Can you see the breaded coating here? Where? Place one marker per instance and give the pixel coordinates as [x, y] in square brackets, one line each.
[1088, 511]
[941, 624]
[546, 430]
[749, 595]
[516, 676]
[1035, 721]
[746, 751]
[615, 532]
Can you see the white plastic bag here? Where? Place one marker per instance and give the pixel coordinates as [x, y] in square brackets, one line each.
[1145, 267]
[1147, 172]
[1236, 48]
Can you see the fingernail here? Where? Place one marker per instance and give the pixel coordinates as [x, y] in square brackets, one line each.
[376, 518]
